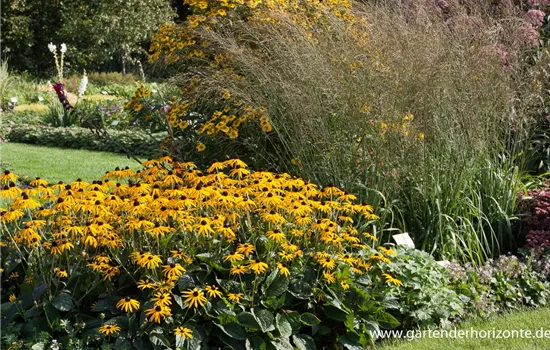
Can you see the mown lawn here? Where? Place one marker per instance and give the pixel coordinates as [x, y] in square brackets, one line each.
[532, 320]
[58, 164]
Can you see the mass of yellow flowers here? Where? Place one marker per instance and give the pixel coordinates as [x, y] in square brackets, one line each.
[167, 216]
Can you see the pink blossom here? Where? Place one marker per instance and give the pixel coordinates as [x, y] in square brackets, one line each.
[526, 34]
[537, 3]
[535, 18]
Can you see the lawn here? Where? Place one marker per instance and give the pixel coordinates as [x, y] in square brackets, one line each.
[532, 320]
[56, 164]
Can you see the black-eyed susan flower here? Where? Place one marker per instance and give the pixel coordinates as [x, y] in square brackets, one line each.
[258, 266]
[213, 291]
[162, 299]
[173, 270]
[128, 304]
[392, 280]
[329, 277]
[233, 257]
[327, 263]
[12, 298]
[246, 249]
[238, 270]
[235, 297]
[109, 329]
[283, 269]
[201, 147]
[195, 298]
[158, 313]
[61, 273]
[184, 333]
[344, 285]
[149, 261]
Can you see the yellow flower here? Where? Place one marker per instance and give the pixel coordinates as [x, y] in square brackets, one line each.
[145, 285]
[390, 279]
[235, 297]
[213, 292]
[109, 329]
[246, 249]
[233, 257]
[61, 273]
[344, 285]
[183, 332]
[327, 263]
[128, 304]
[149, 261]
[162, 299]
[173, 270]
[158, 313]
[201, 147]
[283, 269]
[329, 276]
[12, 298]
[238, 270]
[194, 298]
[258, 266]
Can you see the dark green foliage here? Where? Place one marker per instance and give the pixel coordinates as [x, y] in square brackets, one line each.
[127, 141]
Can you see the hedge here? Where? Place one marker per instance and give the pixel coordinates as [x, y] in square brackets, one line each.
[137, 142]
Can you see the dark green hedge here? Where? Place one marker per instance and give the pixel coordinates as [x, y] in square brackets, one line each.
[138, 142]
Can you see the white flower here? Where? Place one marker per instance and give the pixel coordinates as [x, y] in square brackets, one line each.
[13, 100]
[63, 48]
[40, 98]
[83, 85]
[52, 47]
[104, 92]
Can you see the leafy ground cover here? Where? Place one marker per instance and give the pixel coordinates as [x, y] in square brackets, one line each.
[57, 164]
[531, 319]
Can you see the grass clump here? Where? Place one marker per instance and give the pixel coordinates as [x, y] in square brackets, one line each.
[419, 108]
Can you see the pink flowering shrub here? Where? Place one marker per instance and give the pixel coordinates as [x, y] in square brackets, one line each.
[535, 18]
[537, 221]
[528, 35]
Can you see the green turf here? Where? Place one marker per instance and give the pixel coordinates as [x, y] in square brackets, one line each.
[532, 320]
[58, 164]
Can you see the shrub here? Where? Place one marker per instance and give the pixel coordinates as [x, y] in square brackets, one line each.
[537, 220]
[126, 141]
[426, 299]
[108, 78]
[259, 257]
[501, 284]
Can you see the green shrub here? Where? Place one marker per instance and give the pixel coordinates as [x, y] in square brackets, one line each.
[128, 141]
[501, 284]
[426, 298]
[108, 78]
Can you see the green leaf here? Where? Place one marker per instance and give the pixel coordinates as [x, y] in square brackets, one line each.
[309, 319]
[265, 319]
[335, 313]
[386, 320]
[304, 342]
[351, 341]
[300, 289]
[281, 344]
[107, 304]
[255, 343]
[275, 284]
[63, 302]
[185, 282]
[283, 325]
[38, 346]
[248, 320]
[229, 324]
